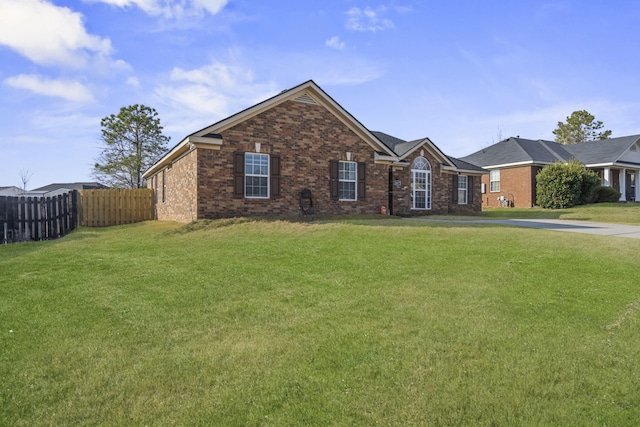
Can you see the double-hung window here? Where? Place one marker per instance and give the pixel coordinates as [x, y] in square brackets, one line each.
[347, 180]
[256, 175]
[256, 167]
[462, 189]
[494, 180]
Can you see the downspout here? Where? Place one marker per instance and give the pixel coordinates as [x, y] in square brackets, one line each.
[390, 186]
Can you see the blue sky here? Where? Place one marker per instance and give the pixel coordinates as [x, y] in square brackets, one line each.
[462, 72]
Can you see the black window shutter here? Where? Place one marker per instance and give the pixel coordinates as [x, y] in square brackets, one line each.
[275, 175]
[238, 174]
[454, 196]
[362, 182]
[469, 189]
[333, 179]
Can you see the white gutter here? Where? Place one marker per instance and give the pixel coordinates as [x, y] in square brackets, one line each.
[509, 165]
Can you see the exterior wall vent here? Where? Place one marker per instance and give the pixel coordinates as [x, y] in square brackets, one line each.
[306, 98]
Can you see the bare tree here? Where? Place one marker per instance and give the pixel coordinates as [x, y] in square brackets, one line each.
[25, 177]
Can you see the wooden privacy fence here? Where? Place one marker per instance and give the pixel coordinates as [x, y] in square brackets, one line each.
[37, 218]
[43, 218]
[102, 208]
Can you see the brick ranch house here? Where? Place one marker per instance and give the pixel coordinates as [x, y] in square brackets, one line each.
[515, 162]
[259, 161]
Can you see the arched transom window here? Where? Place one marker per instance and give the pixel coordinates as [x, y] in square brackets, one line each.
[421, 184]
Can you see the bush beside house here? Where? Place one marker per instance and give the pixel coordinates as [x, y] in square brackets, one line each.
[603, 194]
[563, 185]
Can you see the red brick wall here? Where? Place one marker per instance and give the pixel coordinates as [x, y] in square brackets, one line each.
[180, 192]
[441, 187]
[517, 184]
[474, 199]
[306, 137]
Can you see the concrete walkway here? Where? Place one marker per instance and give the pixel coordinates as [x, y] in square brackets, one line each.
[586, 227]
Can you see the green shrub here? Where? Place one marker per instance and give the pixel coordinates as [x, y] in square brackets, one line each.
[606, 195]
[561, 185]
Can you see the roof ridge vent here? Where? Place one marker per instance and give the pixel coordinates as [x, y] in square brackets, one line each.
[306, 98]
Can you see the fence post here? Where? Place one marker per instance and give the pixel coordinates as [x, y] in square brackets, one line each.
[39, 219]
[13, 219]
[3, 207]
[75, 207]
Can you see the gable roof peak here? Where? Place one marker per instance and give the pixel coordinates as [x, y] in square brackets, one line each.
[316, 96]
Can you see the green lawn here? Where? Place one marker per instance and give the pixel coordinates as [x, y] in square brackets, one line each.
[621, 213]
[353, 322]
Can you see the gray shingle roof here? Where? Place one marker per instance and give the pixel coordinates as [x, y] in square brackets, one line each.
[71, 186]
[397, 145]
[390, 141]
[602, 151]
[401, 147]
[518, 150]
[461, 164]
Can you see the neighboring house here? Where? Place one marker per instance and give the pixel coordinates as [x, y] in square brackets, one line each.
[11, 191]
[259, 161]
[514, 163]
[52, 190]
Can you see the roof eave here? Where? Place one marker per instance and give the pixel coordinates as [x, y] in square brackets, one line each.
[186, 145]
[465, 171]
[631, 165]
[515, 164]
[380, 158]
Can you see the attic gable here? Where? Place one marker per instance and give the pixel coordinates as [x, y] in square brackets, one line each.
[632, 154]
[308, 93]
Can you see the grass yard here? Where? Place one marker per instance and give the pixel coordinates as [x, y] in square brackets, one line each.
[355, 322]
[619, 213]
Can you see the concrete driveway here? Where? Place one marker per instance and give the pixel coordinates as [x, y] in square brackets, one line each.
[586, 227]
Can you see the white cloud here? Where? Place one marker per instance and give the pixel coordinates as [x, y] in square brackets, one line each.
[211, 6]
[51, 35]
[210, 93]
[170, 8]
[66, 89]
[133, 82]
[367, 19]
[335, 43]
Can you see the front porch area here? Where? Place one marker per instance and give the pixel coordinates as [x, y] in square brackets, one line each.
[625, 180]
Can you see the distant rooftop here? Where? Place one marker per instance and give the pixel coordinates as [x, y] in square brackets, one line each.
[71, 186]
